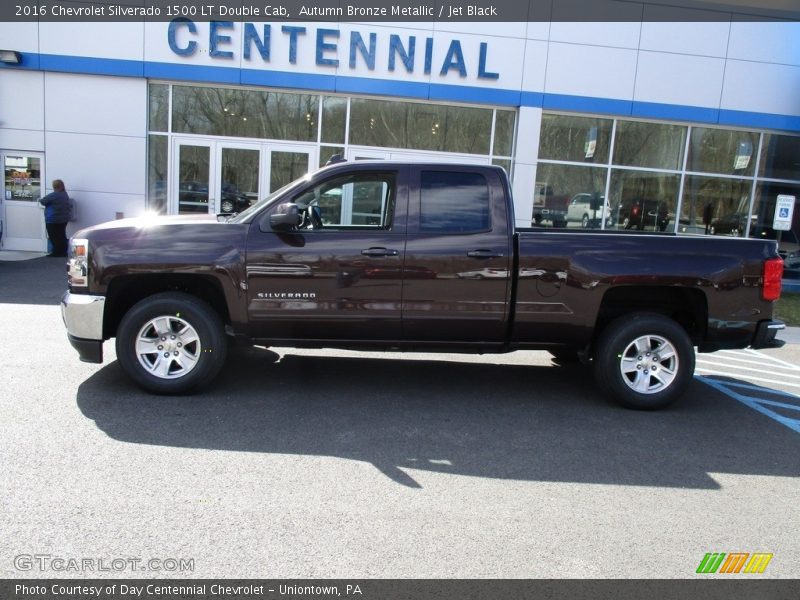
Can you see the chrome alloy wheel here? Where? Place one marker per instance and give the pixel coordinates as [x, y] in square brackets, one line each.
[649, 364]
[168, 347]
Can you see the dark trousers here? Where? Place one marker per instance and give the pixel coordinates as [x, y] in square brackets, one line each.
[57, 233]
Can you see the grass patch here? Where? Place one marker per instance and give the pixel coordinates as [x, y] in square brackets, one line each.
[787, 308]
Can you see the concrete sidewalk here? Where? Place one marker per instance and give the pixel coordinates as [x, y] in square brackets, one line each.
[790, 335]
[15, 255]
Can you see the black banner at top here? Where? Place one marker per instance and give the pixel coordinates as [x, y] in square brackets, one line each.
[390, 11]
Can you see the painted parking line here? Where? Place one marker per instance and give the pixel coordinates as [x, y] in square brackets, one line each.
[725, 372]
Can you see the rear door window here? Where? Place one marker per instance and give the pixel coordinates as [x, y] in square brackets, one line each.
[454, 202]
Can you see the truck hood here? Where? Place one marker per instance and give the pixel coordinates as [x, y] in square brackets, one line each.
[148, 222]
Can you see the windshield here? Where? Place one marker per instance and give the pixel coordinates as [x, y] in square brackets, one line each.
[246, 215]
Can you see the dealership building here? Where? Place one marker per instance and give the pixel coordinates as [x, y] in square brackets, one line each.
[661, 119]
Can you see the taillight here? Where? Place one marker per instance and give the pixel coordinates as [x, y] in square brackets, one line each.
[773, 272]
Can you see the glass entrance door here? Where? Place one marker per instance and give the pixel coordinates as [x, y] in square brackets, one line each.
[238, 180]
[287, 163]
[192, 177]
[22, 215]
[226, 177]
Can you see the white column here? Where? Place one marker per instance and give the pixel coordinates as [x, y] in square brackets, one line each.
[527, 153]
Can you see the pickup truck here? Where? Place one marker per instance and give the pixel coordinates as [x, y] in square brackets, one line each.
[423, 257]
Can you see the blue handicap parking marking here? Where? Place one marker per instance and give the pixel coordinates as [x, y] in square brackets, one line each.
[754, 397]
[742, 375]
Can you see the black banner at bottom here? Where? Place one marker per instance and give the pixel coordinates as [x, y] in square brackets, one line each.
[396, 589]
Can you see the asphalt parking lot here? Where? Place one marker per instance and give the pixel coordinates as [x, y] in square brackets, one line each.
[332, 464]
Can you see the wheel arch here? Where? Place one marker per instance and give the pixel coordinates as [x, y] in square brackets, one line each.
[125, 291]
[686, 306]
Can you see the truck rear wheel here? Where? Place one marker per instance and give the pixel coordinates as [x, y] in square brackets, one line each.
[644, 361]
[171, 343]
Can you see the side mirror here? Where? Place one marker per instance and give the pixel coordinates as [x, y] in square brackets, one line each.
[286, 217]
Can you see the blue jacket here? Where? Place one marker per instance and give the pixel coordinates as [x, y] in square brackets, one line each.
[57, 207]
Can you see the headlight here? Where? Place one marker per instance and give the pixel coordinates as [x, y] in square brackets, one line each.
[78, 262]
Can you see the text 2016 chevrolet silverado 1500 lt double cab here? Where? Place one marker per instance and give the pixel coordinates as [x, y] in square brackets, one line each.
[413, 256]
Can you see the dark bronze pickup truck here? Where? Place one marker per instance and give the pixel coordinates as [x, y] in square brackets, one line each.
[413, 257]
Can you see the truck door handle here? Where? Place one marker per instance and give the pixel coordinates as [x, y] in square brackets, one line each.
[379, 252]
[483, 253]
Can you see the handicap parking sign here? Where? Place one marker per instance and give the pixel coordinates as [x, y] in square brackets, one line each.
[784, 207]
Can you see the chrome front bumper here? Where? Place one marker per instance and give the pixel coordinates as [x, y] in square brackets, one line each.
[83, 317]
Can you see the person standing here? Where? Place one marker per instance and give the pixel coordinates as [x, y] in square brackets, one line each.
[56, 216]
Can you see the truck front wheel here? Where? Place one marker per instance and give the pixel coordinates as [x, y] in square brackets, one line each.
[171, 343]
[644, 361]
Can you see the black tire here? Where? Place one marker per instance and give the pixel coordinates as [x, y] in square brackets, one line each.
[585, 222]
[227, 206]
[175, 318]
[621, 358]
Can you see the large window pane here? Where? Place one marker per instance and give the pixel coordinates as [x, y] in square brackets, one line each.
[334, 115]
[503, 132]
[419, 126]
[578, 139]
[764, 212]
[193, 175]
[764, 207]
[644, 200]
[285, 167]
[244, 113]
[715, 206]
[239, 181]
[652, 145]
[157, 173]
[327, 152]
[780, 157]
[559, 186]
[722, 151]
[158, 107]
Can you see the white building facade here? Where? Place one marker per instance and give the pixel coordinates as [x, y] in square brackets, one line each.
[696, 123]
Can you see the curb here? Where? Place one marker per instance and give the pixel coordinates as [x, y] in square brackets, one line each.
[17, 255]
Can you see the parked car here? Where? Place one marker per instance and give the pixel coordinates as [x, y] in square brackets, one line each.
[644, 213]
[193, 196]
[789, 249]
[232, 200]
[588, 209]
[731, 224]
[549, 206]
